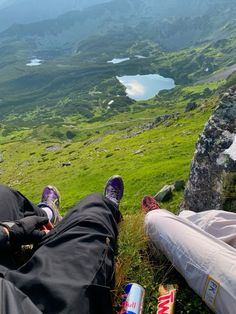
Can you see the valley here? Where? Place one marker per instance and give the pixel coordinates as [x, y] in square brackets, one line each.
[64, 101]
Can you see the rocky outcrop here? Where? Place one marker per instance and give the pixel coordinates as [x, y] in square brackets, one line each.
[160, 119]
[212, 180]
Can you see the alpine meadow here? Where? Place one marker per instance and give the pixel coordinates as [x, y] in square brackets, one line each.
[67, 120]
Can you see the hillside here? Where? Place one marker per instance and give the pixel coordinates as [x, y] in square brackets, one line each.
[69, 122]
[66, 92]
[148, 152]
[75, 83]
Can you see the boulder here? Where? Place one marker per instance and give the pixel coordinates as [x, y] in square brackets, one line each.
[212, 179]
[164, 194]
[179, 185]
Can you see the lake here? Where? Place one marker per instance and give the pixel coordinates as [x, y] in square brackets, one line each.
[34, 62]
[144, 87]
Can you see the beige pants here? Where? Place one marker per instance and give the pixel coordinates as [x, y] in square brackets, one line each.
[202, 247]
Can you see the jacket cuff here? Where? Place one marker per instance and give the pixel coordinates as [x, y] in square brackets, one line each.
[4, 237]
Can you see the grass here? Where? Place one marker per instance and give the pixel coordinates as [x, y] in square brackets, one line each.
[146, 161]
[58, 113]
[139, 262]
[146, 158]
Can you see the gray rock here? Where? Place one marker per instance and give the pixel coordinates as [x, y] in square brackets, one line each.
[212, 179]
[179, 185]
[139, 151]
[66, 164]
[53, 148]
[25, 163]
[164, 194]
[161, 119]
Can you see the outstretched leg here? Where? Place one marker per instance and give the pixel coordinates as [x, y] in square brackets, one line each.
[14, 205]
[73, 268]
[219, 223]
[207, 263]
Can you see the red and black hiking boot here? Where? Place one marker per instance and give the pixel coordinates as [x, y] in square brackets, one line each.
[149, 203]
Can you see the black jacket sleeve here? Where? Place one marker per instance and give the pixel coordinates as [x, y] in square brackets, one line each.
[4, 237]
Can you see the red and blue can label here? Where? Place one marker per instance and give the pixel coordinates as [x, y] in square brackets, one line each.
[132, 300]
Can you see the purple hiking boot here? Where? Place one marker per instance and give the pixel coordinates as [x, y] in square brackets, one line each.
[114, 189]
[51, 198]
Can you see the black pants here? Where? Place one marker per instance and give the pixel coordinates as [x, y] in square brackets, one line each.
[72, 270]
[14, 206]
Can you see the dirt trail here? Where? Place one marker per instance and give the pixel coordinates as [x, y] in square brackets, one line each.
[221, 75]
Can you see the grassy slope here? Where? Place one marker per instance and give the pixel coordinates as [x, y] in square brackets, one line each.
[105, 148]
[70, 89]
[40, 105]
[106, 142]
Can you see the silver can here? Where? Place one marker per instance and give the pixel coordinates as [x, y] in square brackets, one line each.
[132, 301]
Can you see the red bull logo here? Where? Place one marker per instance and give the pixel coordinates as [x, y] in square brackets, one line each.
[132, 300]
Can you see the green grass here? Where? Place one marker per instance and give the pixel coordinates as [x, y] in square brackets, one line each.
[166, 151]
[64, 103]
[102, 149]
[139, 262]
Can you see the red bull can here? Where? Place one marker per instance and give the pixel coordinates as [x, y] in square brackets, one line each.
[132, 301]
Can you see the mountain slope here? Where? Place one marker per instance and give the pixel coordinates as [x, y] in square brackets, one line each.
[28, 11]
[75, 82]
[172, 24]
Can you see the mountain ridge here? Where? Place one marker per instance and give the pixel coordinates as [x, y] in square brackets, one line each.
[26, 11]
[144, 17]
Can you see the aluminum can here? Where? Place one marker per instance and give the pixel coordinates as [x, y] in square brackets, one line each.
[132, 301]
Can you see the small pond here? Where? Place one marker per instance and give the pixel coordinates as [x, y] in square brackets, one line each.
[143, 87]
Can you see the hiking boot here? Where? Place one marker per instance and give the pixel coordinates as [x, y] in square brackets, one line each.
[114, 189]
[51, 198]
[149, 203]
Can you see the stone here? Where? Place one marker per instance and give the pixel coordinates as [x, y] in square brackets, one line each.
[139, 151]
[212, 179]
[66, 164]
[179, 185]
[161, 119]
[164, 194]
[109, 155]
[53, 148]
